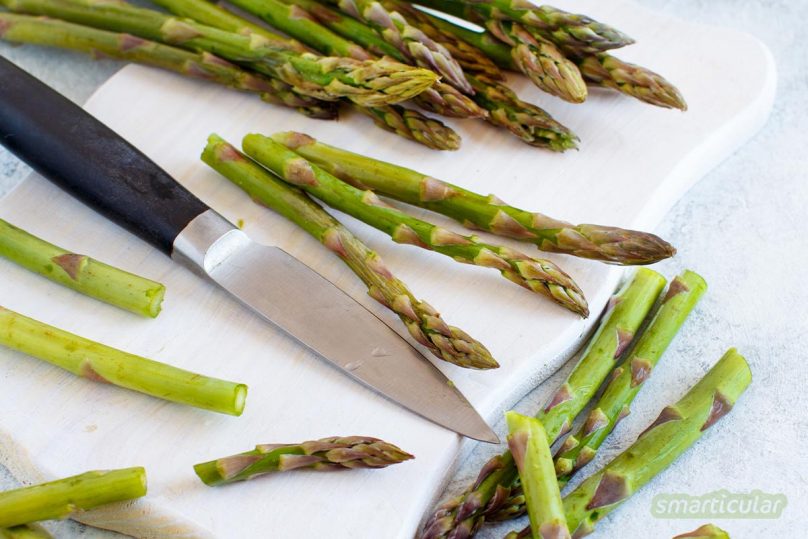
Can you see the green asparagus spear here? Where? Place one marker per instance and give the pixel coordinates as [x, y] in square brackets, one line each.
[708, 531]
[326, 454]
[531, 454]
[573, 33]
[65, 497]
[404, 122]
[81, 273]
[101, 363]
[413, 43]
[538, 275]
[674, 431]
[441, 98]
[487, 213]
[469, 57]
[541, 62]
[413, 125]
[633, 80]
[462, 516]
[422, 321]
[625, 382]
[205, 66]
[25, 531]
[367, 83]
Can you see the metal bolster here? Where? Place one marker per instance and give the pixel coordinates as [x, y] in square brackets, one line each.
[207, 241]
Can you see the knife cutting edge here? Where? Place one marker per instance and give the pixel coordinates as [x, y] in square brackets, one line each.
[78, 153]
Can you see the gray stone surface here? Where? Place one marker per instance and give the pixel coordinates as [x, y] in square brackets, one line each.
[743, 227]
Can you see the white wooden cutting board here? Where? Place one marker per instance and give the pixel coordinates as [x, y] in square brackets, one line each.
[635, 161]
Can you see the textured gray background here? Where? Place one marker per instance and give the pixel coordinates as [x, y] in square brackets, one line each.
[744, 228]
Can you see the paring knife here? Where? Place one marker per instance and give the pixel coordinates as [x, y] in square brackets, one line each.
[81, 155]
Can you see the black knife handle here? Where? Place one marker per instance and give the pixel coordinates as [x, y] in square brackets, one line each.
[66, 145]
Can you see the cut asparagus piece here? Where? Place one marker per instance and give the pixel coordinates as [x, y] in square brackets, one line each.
[625, 383]
[633, 80]
[422, 321]
[676, 429]
[65, 497]
[708, 531]
[531, 454]
[540, 276]
[205, 66]
[477, 211]
[79, 272]
[368, 83]
[326, 454]
[463, 515]
[25, 531]
[541, 62]
[413, 43]
[573, 33]
[101, 363]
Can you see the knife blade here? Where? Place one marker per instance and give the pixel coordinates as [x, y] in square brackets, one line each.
[84, 157]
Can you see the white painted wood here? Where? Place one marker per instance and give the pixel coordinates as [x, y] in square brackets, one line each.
[635, 161]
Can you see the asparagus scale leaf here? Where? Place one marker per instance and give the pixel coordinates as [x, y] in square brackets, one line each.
[707, 531]
[25, 531]
[463, 515]
[65, 497]
[478, 211]
[326, 454]
[423, 322]
[100, 363]
[537, 275]
[79, 272]
[531, 454]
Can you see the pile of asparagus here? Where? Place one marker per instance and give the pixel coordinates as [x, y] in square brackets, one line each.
[621, 355]
[372, 54]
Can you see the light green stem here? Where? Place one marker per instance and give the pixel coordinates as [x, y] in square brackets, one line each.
[66, 497]
[531, 454]
[25, 531]
[81, 273]
[101, 363]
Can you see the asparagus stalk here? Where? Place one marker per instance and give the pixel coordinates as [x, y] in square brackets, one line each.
[625, 383]
[368, 83]
[538, 275]
[25, 531]
[708, 531]
[469, 57]
[441, 98]
[65, 497]
[81, 273]
[633, 80]
[404, 122]
[531, 454]
[422, 321]
[463, 515]
[573, 33]
[326, 454]
[674, 431]
[413, 43]
[205, 66]
[477, 211]
[541, 62]
[101, 363]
